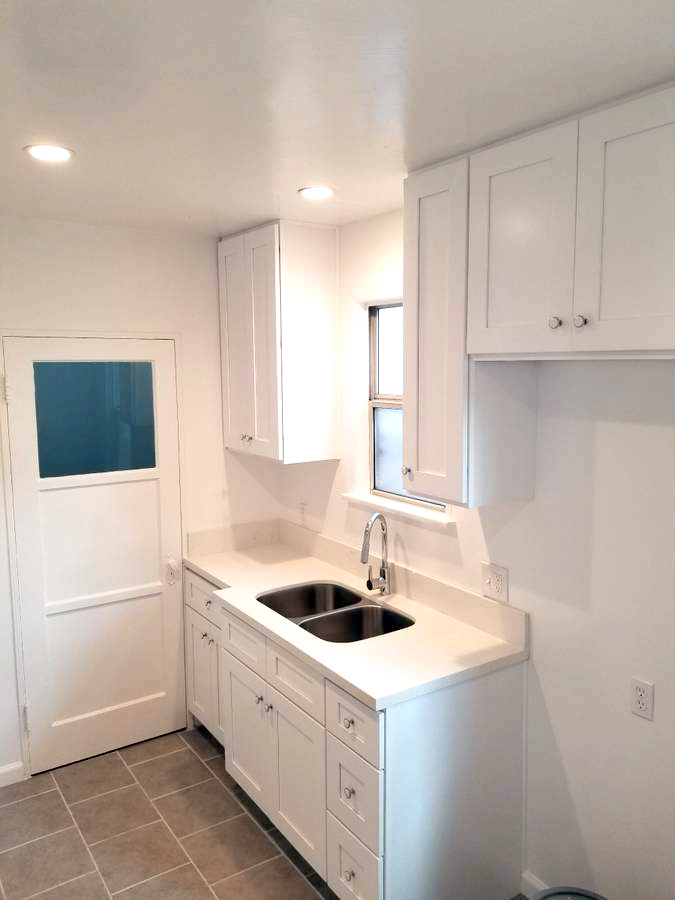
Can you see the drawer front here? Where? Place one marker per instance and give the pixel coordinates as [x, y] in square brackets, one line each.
[355, 793]
[243, 642]
[358, 727]
[297, 681]
[199, 595]
[352, 870]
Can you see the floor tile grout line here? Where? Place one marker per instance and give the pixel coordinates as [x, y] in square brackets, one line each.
[29, 797]
[60, 884]
[171, 831]
[171, 793]
[249, 868]
[142, 762]
[206, 827]
[122, 833]
[124, 787]
[91, 855]
[151, 878]
[33, 840]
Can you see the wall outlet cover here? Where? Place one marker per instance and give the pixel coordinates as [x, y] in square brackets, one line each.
[495, 582]
[642, 698]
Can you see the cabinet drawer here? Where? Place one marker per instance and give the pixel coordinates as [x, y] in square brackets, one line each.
[244, 642]
[352, 870]
[358, 727]
[355, 793]
[296, 680]
[199, 595]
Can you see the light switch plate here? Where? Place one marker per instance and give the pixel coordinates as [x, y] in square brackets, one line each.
[495, 582]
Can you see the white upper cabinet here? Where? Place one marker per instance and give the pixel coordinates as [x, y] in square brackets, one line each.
[468, 432]
[625, 254]
[279, 327]
[436, 372]
[521, 243]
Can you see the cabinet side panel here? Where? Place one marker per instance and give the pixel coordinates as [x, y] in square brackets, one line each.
[310, 326]
[454, 792]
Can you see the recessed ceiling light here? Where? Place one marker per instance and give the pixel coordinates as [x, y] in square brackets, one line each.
[49, 153]
[316, 193]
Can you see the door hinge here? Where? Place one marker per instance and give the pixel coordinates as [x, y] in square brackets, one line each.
[24, 716]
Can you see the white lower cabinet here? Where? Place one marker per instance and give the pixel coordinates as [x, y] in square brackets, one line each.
[421, 801]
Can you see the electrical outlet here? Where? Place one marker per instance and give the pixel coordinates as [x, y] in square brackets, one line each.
[495, 582]
[642, 698]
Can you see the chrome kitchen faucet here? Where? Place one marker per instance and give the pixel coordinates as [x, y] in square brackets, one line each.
[381, 583]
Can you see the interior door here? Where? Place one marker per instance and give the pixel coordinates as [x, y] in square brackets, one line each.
[625, 260]
[261, 248]
[93, 435]
[300, 779]
[521, 243]
[248, 749]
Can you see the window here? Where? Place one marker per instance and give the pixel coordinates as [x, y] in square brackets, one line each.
[94, 417]
[386, 404]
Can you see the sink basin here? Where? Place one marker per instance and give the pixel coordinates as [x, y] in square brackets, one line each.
[357, 624]
[308, 599]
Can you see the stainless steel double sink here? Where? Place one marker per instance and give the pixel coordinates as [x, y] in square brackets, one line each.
[333, 612]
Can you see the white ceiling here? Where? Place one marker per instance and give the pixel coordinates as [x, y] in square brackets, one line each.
[209, 114]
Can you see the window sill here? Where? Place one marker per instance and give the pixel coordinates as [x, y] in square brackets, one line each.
[401, 509]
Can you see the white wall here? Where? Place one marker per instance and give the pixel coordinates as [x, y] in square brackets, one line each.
[56, 276]
[592, 559]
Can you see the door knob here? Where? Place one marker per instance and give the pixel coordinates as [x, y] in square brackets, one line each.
[580, 321]
[171, 570]
[555, 322]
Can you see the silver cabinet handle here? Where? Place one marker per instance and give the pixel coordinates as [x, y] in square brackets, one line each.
[242, 437]
[259, 698]
[208, 603]
[405, 470]
[268, 707]
[580, 321]
[349, 792]
[555, 322]
[204, 635]
[348, 723]
[349, 874]
[211, 641]
[249, 438]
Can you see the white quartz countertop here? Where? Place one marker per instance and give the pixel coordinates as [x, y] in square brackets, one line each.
[437, 651]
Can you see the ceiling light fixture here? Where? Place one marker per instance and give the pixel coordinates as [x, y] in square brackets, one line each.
[48, 152]
[316, 193]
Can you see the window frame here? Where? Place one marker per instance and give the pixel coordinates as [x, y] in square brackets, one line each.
[385, 401]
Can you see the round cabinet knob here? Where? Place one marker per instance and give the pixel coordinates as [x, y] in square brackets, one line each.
[208, 603]
[249, 438]
[242, 437]
[349, 875]
[349, 793]
[580, 321]
[348, 723]
[554, 322]
[259, 699]
[204, 635]
[268, 707]
[405, 470]
[211, 641]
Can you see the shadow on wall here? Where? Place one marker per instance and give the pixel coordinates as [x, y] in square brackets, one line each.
[252, 486]
[307, 489]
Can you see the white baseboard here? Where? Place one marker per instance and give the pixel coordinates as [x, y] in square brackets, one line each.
[12, 773]
[530, 885]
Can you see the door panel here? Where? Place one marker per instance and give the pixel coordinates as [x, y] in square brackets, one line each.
[198, 665]
[248, 748]
[521, 243]
[435, 390]
[97, 517]
[625, 265]
[262, 274]
[300, 762]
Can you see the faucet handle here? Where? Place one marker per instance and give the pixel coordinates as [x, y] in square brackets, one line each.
[369, 581]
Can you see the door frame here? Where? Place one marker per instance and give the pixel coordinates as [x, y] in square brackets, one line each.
[21, 768]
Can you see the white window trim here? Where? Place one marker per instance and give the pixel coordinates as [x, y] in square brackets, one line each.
[403, 509]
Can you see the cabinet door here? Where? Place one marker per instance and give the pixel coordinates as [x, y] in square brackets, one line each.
[261, 250]
[236, 344]
[521, 243]
[248, 729]
[198, 666]
[435, 392]
[300, 793]
[217, 711]
[625, 264]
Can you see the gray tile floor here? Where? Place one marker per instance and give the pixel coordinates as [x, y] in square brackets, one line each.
[161, 820]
